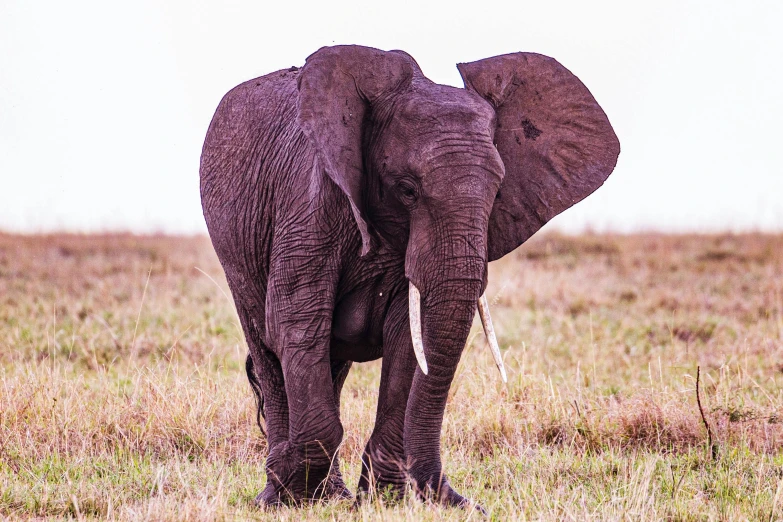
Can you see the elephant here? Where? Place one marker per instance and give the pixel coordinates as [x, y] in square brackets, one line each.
[354, 205]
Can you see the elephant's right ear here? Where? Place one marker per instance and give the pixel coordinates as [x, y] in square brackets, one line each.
[337, 87]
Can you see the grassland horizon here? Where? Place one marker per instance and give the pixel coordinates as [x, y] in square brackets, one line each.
[123, 394]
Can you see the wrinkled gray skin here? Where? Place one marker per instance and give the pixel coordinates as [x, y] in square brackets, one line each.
[327, 189]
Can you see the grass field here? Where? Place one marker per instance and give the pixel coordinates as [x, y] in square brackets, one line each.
[123, 393]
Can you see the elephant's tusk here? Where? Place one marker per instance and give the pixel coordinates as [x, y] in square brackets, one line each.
[414, 314]
[489, 331]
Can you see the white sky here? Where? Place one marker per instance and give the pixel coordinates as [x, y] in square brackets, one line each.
[104, 105]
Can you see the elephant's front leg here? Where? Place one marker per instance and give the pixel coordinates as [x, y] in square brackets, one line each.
[384, 462]
[299, 325]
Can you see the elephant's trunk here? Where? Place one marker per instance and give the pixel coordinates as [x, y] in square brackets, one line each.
[414, 306]
[449, 296]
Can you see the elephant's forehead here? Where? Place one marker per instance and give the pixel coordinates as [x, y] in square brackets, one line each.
[431, 149]
[439, 126]
[441, 107]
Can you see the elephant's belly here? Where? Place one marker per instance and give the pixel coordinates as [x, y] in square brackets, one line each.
[357, 334]
[356, 352]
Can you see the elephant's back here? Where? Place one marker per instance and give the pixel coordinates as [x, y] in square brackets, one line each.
[253, 154]
[254, 122]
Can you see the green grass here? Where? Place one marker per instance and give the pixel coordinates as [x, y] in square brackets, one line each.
[123, 394]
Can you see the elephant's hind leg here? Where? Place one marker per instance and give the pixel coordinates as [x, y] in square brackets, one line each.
[266, 380]
[339, 370]
[336, 485]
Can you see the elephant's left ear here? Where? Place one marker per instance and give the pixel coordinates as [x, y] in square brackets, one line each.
[553, 137]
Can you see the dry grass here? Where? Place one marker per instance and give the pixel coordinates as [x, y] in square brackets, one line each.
[122, 391]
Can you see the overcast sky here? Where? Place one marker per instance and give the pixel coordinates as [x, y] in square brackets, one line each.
[104, 105]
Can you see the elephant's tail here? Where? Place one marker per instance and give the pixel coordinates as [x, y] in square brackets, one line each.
[256, 386]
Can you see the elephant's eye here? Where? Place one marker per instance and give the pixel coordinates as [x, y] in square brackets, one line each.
[407, 192]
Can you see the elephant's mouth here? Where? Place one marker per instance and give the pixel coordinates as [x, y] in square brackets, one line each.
[414, 313]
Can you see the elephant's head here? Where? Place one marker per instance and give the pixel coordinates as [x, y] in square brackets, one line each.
[454, 178]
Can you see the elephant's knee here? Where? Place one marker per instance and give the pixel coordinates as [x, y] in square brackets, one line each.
[328, 442]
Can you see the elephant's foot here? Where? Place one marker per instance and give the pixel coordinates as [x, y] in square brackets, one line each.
[335, 488]
[436, 488]
[388, 477]
[272, 496]
[297, 474]
[384, 474]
